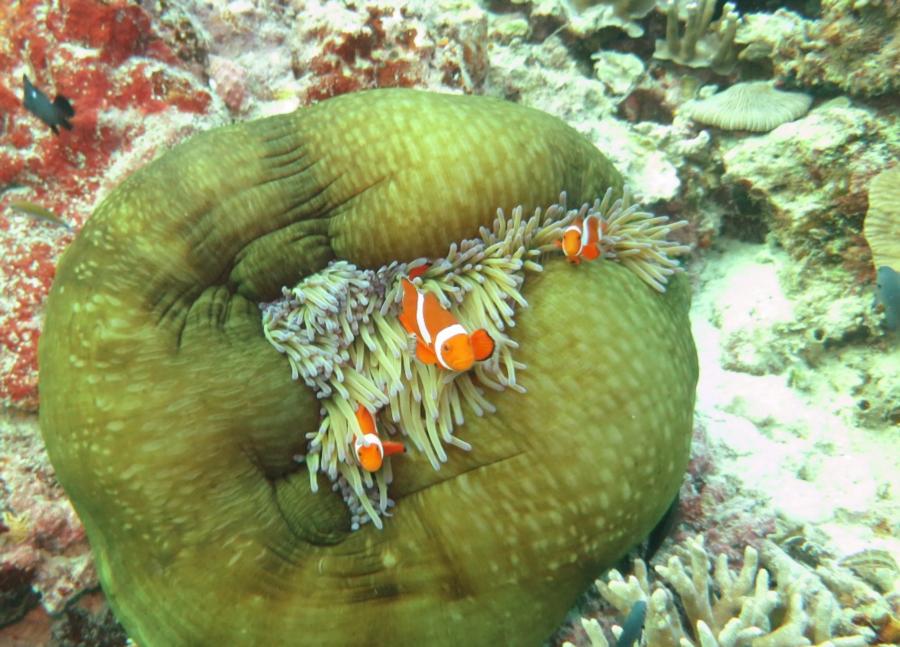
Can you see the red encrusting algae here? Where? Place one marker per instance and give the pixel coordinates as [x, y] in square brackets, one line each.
[107, 59]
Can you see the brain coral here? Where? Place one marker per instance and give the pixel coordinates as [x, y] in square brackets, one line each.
[171, 422]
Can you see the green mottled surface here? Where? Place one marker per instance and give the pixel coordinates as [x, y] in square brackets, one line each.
[171, 422]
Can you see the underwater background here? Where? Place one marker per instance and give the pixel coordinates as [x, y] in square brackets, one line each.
[772, 128]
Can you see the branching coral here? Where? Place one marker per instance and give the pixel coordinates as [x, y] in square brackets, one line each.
[725, 608]
[699, 45]
[340, 332]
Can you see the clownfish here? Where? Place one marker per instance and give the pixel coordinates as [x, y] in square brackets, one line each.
[440, 339]
[370, 449]
[581, 239]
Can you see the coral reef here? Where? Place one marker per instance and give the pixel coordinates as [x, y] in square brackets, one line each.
[799, 381]
[852, 47]
[585, 17]
[176, 306]
[701, 44]
[123, 81]
[754, 105]
[810, 177]
[45, 560]
[725, 608]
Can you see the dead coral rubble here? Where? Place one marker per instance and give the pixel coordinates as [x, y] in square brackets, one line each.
[853, 47]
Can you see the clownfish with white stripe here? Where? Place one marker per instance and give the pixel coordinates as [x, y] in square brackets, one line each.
[440, 338]
[581, 239]
[370, 449]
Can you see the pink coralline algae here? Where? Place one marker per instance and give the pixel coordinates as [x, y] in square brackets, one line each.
[715, 506]
[44, 554]
[384, 46]
[107, 59]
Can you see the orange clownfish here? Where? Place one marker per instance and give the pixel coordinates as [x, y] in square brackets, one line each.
[440, 338]
[581, 239]
[370, 449]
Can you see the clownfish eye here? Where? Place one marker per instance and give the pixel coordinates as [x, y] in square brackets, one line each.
[445, 347]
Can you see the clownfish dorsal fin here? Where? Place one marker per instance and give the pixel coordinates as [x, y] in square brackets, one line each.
[418, 271]
[365, 420]
[407, 314]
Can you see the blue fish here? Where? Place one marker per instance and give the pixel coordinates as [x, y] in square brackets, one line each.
[53, 113]
[633, 626]
[887, 293]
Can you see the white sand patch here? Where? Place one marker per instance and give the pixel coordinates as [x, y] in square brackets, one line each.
[805, 454]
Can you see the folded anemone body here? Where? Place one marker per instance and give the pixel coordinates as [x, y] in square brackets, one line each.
[172, 422]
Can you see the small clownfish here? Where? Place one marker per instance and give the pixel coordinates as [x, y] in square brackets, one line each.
[440, 338]
[581, 239]
[370, 449]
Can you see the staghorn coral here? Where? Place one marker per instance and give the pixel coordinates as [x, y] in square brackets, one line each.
[755, 105]
[172, 422]
[340, 332]
[701, 44]
[725, 608]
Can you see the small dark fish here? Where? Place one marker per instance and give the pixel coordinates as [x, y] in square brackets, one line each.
[53, 113]
[887, 284]
[633, 626]
[661, 530]
[38, 212]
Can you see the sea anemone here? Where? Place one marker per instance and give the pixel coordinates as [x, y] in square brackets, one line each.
[637, 238]
[340, 332]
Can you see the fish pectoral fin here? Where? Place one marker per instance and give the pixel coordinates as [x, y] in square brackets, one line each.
[392, 447]
[482, 344]
[425, 354]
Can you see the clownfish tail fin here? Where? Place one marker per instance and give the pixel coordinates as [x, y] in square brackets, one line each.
[482, 344]
[392, 447]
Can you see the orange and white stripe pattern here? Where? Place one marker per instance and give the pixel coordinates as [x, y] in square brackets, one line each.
[441, 339]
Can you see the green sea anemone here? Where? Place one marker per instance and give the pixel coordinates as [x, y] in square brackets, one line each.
[172, 423]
